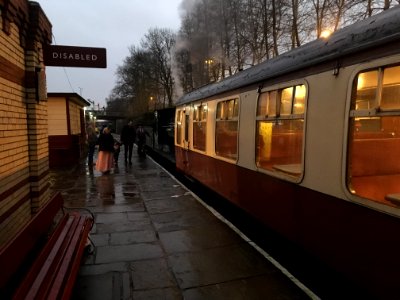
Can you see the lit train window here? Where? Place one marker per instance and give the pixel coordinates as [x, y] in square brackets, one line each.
[280, 126]
[178, 127]
[373, 170]
[226, 128]
[200, 127]
[367, 86]
[286, 101]
[390, 99]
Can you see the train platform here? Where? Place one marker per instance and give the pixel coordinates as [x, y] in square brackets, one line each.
[154, 239]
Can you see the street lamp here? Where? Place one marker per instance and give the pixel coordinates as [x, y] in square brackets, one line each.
[208, 63]
[153, 100]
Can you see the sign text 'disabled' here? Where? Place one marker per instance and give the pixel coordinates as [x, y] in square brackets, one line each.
[70, 56]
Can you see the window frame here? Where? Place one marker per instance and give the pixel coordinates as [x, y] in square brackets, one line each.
[276, 117]
[200, 116]
[371, 113]
[178, 122]
[227, 118]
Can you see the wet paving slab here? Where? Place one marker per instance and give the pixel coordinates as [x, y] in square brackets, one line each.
[154, 240]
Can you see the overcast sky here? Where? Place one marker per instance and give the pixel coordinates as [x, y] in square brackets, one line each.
[115, 25]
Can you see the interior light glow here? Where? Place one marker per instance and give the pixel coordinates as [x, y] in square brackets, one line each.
[360, 82]
[300, 91]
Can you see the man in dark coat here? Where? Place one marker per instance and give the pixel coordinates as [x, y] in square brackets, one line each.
[128, 136]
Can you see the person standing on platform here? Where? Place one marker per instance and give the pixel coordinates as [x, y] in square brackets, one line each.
[105, 159]
[91, 138]
[128, 136]
[141, 140]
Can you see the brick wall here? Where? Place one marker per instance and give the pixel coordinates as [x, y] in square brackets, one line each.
[24, 155]
[75, 118]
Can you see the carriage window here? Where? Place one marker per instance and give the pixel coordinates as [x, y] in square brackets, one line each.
[391, 89]
[299, 99]
[286, 101]
[200, 127]
[226, 128]
[367, 84]
[280, 126]
[373, 169]
[267, 104]
[179, 127]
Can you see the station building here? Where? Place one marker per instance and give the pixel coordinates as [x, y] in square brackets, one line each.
[24, 149]
[67, 138]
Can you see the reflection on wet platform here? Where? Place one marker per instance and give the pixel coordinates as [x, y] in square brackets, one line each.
[154, 240]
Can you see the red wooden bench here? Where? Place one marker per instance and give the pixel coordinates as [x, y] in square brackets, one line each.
[53, 271]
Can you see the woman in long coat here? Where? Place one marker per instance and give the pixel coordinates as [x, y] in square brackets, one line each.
[105, 158]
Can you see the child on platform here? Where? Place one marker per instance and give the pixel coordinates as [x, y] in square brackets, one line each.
[117, 149]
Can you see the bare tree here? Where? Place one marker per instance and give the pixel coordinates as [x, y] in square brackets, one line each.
[373, 7]
[134, 81]
[255, 33]
[159, 43]
[217, 38]
[274, 28]
[196, 36]
[295, 28]
[184, 69]
[265, 28]
[321, 8]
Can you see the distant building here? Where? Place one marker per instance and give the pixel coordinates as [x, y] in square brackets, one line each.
[67, 133]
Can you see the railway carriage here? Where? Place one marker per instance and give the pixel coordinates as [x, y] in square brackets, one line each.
[309, 144]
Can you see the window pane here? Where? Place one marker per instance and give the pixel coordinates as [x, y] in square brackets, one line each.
[299, 99]
[286, 101]
[391, 88]
[220, 110]
[203, 115]
[366, 90]
[226, 139]
[196, 113]
[262, 105]
[232, 108]
[199, 135]
[279, 146]
[374, 164]
[272, 96]
[236, 108]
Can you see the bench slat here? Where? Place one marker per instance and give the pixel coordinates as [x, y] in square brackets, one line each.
[75, 268]
[53, 262]
[36, 275]
[72, 259]
[53, 274]
[14, 253]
